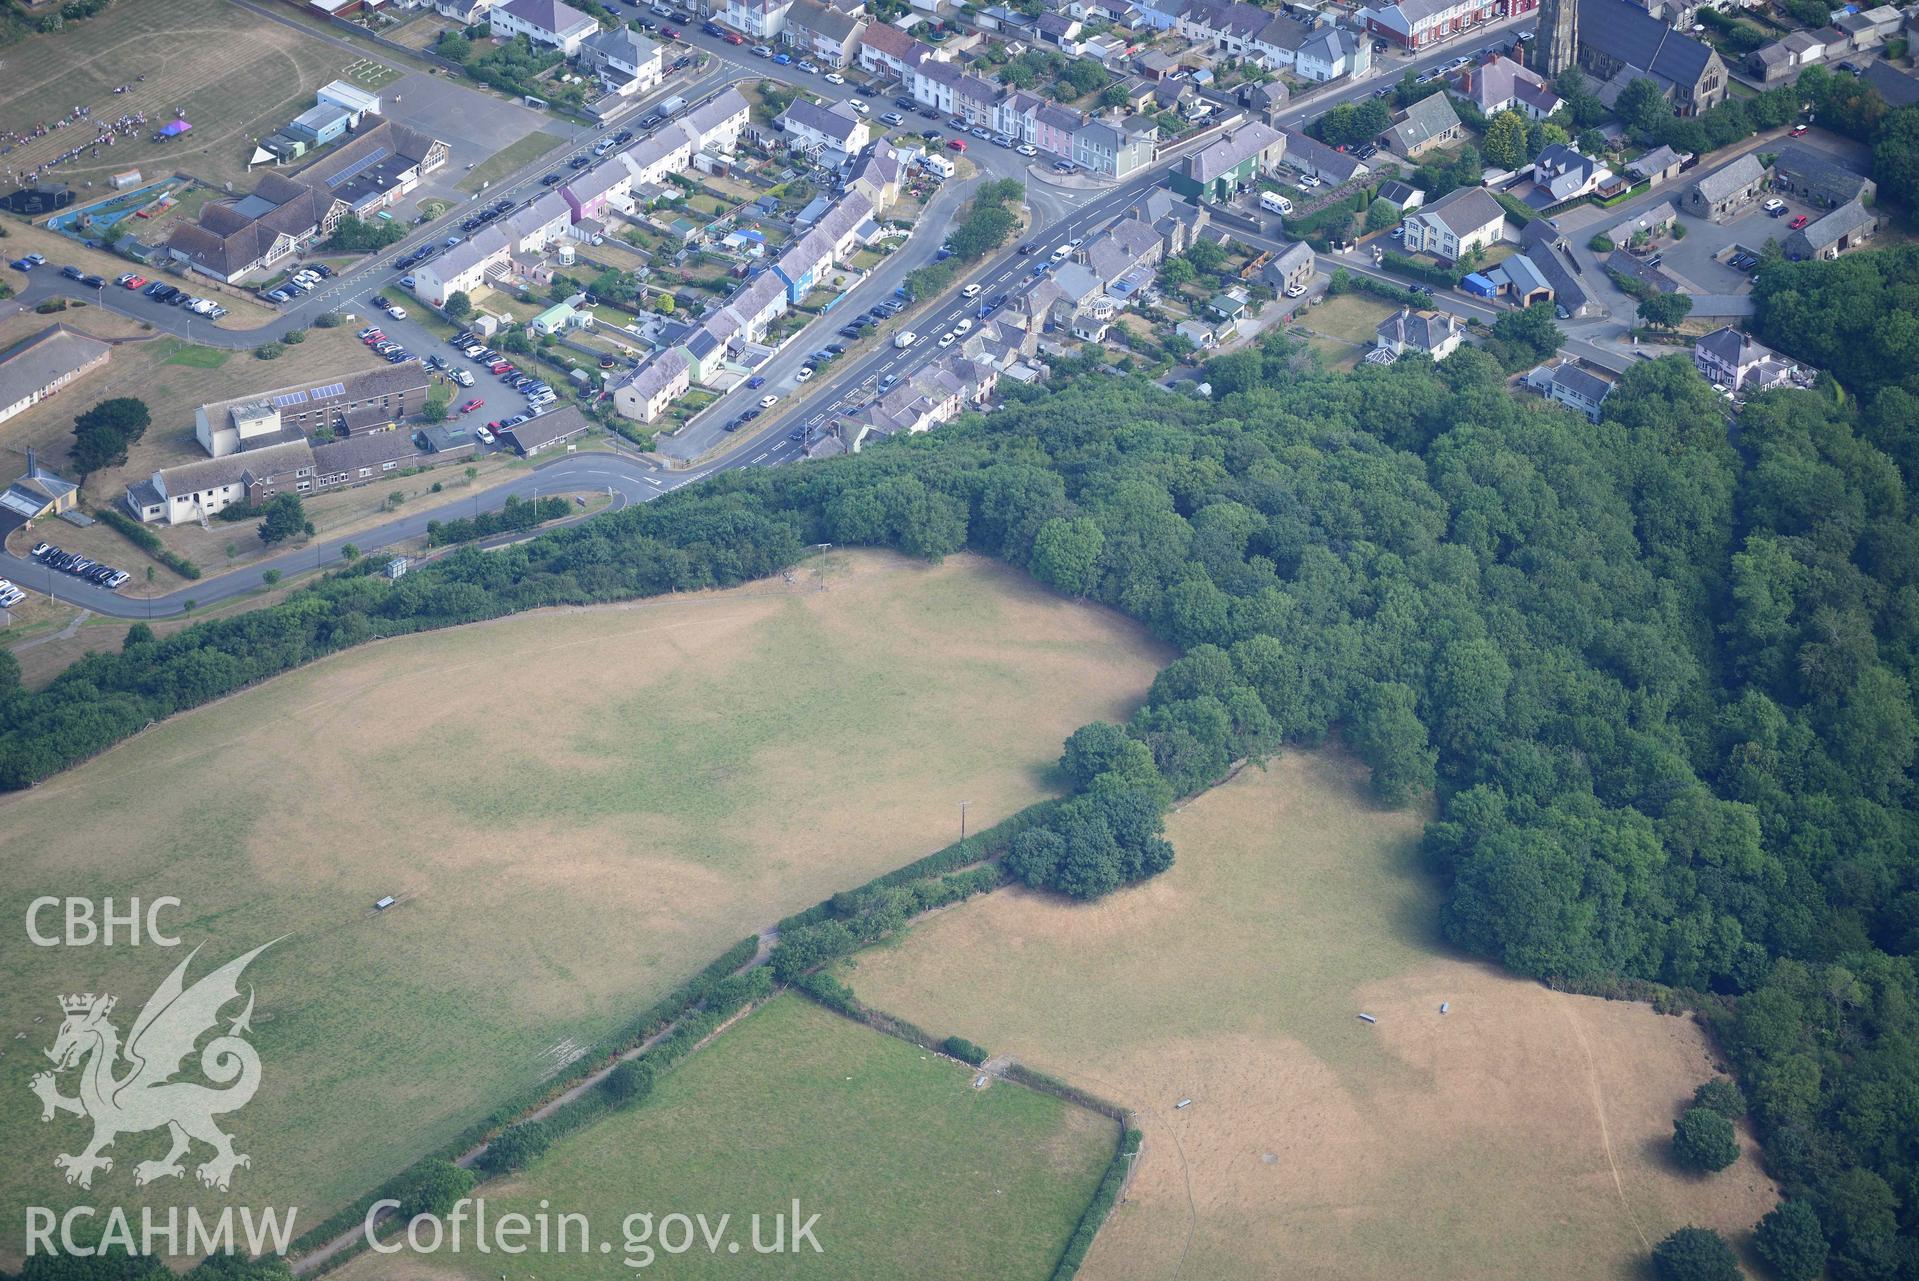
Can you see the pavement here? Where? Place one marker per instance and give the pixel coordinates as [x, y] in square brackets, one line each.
[1058, 215]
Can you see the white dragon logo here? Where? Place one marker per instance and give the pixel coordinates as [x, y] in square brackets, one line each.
[145, 1098]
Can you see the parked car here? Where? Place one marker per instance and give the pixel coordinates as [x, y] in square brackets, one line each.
[755, 383]
[733, 37]
[957, 144]
[892, 118]
[471, 405]
[1798, 222]
[806, 372]
[485, 436]
[768, 401]
[1027, 149]
[762, 51]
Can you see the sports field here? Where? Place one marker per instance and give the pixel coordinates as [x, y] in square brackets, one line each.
[911, 1171]
[1523, 1134]
[576, 810]
[235, 75]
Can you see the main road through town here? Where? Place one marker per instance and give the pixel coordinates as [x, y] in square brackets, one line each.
[1058, 214]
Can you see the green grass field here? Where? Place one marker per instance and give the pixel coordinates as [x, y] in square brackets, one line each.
[197, 357]
[510, 160]
[577, 811]
[1520, 1135]
[911, 1171]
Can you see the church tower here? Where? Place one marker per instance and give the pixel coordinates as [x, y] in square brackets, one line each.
[1557, 37]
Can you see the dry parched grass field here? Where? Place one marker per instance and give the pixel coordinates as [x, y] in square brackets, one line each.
[1521, 1135]
[238, 77]
[911, 1171]
[576, 809]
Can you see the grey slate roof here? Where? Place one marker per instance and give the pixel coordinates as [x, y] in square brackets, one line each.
[1741, 173]
[1425, 120]
[51, 354]
[1625, 32]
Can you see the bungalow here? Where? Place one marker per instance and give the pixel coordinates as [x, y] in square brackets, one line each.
[1725, 191]
[39, 492]
[1456, 224]
[1431, 122]
[550, 23]
[1572, 387]
[1847, 227]
[1402, 196]
[1429, 333]
[1311, 156]
[1661, 164]
[40, 366]
[546, 431]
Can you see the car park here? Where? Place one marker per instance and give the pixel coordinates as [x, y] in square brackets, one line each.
[471, 405]
[485, 436]
[278, 295]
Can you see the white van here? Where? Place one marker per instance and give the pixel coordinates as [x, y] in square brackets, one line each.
[1275, 203]
[905, 338]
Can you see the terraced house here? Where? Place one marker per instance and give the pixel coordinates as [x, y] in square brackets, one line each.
[1219, 170]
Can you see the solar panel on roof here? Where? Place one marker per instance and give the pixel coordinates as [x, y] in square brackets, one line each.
[331, 389]
[289, 398]
[358, 167]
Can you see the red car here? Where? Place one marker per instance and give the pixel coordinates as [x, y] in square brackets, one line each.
[957, 144]
[734, 37]
[671, 33]
[1798, 222]
[500, 366]
[1799, 131]
[471, 405]
[136, 282]
[375, 337]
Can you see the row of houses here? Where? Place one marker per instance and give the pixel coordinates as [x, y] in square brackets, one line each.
[376, 165]
[697, 355]
[1852, 31]
[513, 247]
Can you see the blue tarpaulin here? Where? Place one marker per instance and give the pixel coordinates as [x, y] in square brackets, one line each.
[1480, 285]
